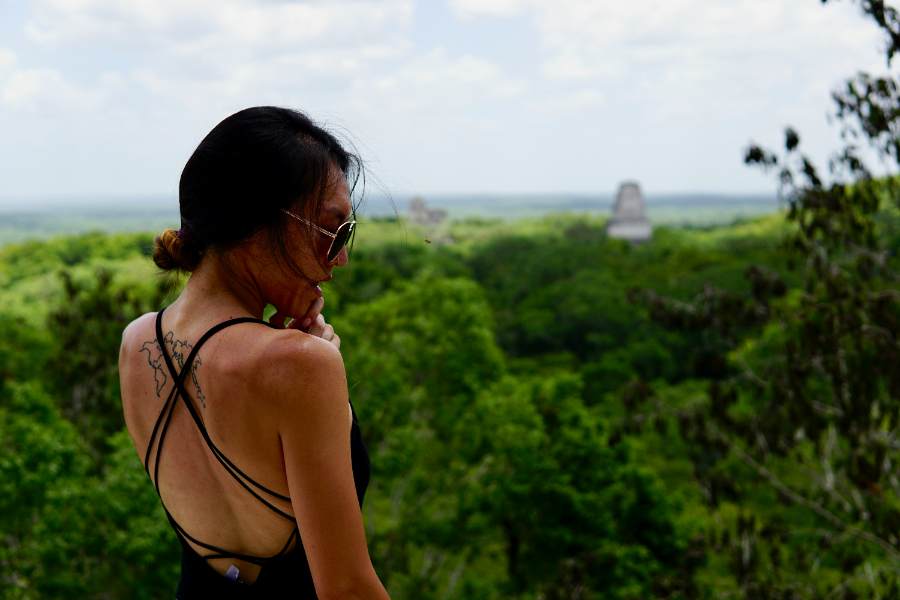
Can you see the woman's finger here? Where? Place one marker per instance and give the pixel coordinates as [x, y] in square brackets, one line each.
[303, 322]
[318, 326]
[313, 313]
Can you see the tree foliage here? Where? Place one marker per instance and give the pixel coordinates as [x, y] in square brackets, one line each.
[799, 431]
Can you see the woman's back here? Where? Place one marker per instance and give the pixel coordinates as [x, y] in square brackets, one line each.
[228, 493]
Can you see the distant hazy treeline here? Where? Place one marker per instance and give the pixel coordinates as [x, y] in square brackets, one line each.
[42, 218]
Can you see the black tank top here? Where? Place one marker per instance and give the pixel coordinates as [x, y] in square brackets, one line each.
[283, 574]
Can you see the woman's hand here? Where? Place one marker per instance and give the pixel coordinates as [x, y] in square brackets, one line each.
[325, 331]
[312, 323]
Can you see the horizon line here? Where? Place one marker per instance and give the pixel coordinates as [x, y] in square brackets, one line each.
[101, 197]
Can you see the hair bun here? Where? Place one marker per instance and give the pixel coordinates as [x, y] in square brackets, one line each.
[172, 251]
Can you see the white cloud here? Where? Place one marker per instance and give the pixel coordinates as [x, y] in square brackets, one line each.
[590, 39]
[213, 52]
[36, 90]
[437, 82]
[7, 58]
[242, 22]
[207, 53]
[596, 39]
[669, 90]
[672, 57]
[494, 8]
[579, 101]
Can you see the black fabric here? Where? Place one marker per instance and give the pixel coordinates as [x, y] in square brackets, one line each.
[285, 573]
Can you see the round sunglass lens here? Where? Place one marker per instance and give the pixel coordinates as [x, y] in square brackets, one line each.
[342, 235]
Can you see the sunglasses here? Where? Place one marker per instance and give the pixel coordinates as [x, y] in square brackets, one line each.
[339, 238]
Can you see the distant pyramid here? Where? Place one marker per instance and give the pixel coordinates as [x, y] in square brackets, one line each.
[629, 221]
[421, 214]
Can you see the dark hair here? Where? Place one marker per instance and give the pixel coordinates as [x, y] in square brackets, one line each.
[250, 166]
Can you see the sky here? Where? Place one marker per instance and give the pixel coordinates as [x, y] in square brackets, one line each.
[108, 98]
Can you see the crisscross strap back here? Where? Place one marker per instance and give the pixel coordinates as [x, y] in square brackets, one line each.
[162, 424]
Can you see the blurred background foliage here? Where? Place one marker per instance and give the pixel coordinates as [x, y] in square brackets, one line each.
[550, 413]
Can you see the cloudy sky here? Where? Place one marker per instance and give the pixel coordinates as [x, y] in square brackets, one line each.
[110, 97]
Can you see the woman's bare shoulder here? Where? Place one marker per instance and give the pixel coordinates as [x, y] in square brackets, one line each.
[137, 332]
[298, 365]
[293, 355]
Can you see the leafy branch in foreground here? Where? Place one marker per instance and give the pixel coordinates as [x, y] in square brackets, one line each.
[802, 429]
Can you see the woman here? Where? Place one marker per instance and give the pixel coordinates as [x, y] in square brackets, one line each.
[245, 425]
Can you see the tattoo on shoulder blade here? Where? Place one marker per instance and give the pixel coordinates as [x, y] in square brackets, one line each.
[179, 351]
[155, 360]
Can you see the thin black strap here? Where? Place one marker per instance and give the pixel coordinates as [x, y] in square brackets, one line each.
[159, 446]
[165, 418]
[229, 466]
[160, 342]
[259, 560]
[156, 429]
[219, 552]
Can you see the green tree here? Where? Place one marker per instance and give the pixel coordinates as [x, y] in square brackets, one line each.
[105, 534]
[87, 327]
[38, 450]
[416, 359]
[797, 440]
[577, 517]
[489, 486]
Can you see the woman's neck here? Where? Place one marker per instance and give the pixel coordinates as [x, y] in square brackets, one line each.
[221, 287]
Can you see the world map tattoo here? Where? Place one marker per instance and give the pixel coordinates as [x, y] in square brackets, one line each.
[179, 350]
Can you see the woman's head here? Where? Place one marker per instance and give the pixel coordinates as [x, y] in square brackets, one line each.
[245, 171]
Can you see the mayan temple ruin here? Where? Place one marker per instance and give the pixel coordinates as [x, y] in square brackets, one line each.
[421, 214]
[629, 221]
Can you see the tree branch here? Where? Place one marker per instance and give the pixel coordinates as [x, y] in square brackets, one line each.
[810, 504]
